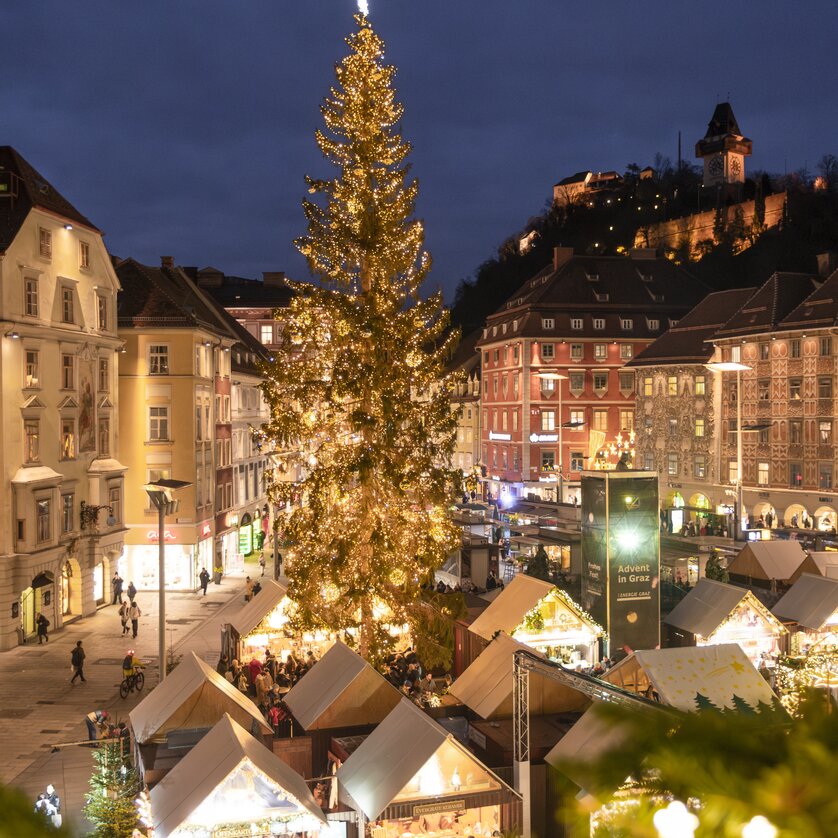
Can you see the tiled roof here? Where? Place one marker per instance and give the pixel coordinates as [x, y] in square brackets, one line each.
[579, 177]
[239, 292]
[819, 309]
[21, 188]
[776, 299]
[690, 341]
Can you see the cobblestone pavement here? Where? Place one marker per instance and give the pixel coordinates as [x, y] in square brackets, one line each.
[40, 708]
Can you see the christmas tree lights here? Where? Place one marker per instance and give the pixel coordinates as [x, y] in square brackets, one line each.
[360, 405]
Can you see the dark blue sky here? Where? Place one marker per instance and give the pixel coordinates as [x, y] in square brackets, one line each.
[185, 127]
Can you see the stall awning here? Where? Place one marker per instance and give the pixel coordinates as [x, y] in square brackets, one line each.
[810, 602]
[510, 607]
[706, 607]
[259, 607]
[341, 690]
[680, 675]
[225, 750]
[486, 685]
[193, 695]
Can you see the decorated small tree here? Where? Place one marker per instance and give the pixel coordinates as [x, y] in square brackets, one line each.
[110, 806]
[359, 401]
[539, 565]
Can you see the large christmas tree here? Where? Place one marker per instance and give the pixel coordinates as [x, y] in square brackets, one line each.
[359, 401]
[110, 805]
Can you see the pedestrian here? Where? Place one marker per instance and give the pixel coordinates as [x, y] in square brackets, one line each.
[262, 563]
[96, 723]
[204, 577]
[123, 615]
[132, 591]
[77, 659]
[248, 589]
[134, 615]
[221, 667]
[116, 585]
[43, 624]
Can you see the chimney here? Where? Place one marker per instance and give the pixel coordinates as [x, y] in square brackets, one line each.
[167, 261]
[561, 256]
[826, 263]
[273, 279]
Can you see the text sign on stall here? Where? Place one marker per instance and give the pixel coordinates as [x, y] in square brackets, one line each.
[438, 808]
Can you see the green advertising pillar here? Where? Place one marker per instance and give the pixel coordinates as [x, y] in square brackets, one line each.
[621, 557]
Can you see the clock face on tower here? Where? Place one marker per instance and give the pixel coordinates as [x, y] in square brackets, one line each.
[716, 166]
[735, 166]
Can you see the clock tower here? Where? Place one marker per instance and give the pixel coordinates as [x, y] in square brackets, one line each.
[723, 149]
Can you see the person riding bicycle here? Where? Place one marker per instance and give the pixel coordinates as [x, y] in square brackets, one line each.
[130, 665]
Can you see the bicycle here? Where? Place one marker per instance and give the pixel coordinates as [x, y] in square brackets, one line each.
[132, 682]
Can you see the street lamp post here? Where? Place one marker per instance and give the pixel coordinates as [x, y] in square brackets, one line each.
[160, 495]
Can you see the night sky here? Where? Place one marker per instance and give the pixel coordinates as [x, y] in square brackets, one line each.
[184, 127]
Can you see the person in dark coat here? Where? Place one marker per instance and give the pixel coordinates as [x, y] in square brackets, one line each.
[77, 659]
[43, 625]
[116, 586]
[221, 667]
[132, 591]
[204, 577]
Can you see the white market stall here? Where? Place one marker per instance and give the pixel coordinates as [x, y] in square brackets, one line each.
[811, 603]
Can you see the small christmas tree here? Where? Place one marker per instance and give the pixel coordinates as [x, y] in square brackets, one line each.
[714, 569]
[539, 565]
[110, 804]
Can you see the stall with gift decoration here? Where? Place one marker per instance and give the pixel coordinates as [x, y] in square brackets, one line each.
[411, 777]
[544, 618]
[231, 785]
[713, 613]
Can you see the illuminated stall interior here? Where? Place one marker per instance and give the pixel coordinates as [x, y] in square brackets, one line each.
[229, 785]
[433, 786]
[715, 612]
[544, 618]
[812, 605]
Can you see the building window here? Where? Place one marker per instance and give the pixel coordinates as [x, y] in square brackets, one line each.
[795, 474]
[762, 474]
[672, 464]
[485, 356]
[673, 427]
[577, 460]
[496, 355]
[514, 424]
[626, 381]
[548, 385]
[45, 243]
[67, 505]
[67, 306]
[115, 503]
[699, 385]
[825, 431]
[764, 351]
[576, 324]
[548, 420]
[672, 385]
[158, 424]
[825, 387]
[516, 460]
[647, 424]
[104, 433]
[626, 351]
[84, 256]
[600, 420]
[485, 385]
[825, 475]
[764, 389]
[31, 375]
[626, 420]
[495, 385]
[104, 375]
[267, 333]
[548, 351]
[600, 381]
[30, 293]
[577, 382]
[576, 351]
[504, 462]
[825, 347]
[158, 359]
[626, 324]
[599, 323]
[795, 385]
[548, 460]
[794, 348]
[504, 420]
[31, 441]
[548, 323]
[577, 418]
[736, 354]
[649, 461]
[732, 472]
[653, 324]
[68, 372]
[795, 431]
[600, 351]
[699, 427]
[700, 465]
[68, 439]
[762, 436]
[44, 524]
[515, 385]
[102, 312]
[647, 386]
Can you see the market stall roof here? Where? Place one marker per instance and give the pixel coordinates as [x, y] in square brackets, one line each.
[810, 601]
[709, 604]
[510, 606]
[486, 685]
[253, 612]
[679, 676]
[210, 763]
[341, 690]
[391, 756]
[770, 560]
[826, 563]
[193, 695]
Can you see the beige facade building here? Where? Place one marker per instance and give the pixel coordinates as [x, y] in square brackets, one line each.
[62, 502]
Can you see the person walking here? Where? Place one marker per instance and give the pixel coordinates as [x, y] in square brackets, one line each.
[132, 591]
[204, 577]
[77, 659]
[116, 585]
[43, 624]
[124, 608]
[248, 589]
[134, 615]
[96, 723]
[262, 563]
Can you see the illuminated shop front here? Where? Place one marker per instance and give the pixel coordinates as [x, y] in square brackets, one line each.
[140, 563]
[434, 787]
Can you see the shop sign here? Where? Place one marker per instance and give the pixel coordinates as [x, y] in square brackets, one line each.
[246, 540]
[544, 437]
[438, 808]
[500, 437]
[243, 831]
[153, 535]
[824, 500]
[206, 529]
